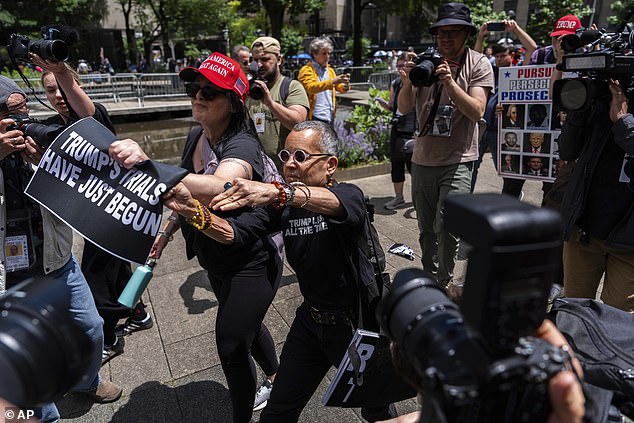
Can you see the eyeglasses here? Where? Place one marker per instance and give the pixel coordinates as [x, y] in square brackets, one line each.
[208, 92]
[448, 33]
[299, 156]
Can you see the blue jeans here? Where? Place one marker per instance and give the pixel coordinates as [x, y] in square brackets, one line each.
[84, 313]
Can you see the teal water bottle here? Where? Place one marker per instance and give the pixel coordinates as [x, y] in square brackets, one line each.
[137, 284]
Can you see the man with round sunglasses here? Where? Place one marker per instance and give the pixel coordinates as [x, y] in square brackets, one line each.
[300, 156]
[322, 222]
[284, 102]
[245, 278]
[442, 163]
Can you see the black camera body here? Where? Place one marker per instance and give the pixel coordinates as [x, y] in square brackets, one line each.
[477, 362]
[43, 134]
[424, 73]
[20, 46]
[255, 91]
[609, 57]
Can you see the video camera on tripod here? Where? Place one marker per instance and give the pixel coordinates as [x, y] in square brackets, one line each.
[608, 56]
[478, 363]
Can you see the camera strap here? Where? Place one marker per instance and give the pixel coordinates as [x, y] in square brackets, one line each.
[432, 112]
[429, 123]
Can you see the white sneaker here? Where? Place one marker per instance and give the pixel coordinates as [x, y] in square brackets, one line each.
[394, 202]
[262, 395]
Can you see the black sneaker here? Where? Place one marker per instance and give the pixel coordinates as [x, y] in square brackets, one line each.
[111, 351]
[133, 325]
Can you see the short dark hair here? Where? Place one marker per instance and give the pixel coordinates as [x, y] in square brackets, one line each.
[500, 48]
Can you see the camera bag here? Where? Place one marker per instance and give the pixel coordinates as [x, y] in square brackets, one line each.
[601, 337]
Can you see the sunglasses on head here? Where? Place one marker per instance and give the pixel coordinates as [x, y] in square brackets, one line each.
[207, 92]
[299, 156]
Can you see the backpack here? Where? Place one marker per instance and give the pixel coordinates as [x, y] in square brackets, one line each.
[370, 291]
[286, 83]
[601, 337]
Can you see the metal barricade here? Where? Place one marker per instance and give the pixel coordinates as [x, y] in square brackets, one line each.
[120, 87]
[160, 85]
[382, 80]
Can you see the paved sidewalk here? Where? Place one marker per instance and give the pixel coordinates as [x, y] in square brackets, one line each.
[171, 373]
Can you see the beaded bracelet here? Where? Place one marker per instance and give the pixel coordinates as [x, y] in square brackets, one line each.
[303, 188]
[202, 219]
[282, 195]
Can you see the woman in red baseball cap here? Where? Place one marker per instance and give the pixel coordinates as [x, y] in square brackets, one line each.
[244, 279]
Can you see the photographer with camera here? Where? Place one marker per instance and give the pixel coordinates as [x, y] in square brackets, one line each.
[450, 103]
[321, 82]
[276, 102]
[598, 204]
[45, 242]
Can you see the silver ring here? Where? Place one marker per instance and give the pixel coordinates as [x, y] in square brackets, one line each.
[14, 140]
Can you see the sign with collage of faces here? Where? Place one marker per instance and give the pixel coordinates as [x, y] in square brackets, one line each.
[529, 127]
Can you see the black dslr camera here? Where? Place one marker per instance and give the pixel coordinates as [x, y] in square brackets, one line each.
[424, 73]
[43, 134]
[255, 91]
[53, 46]
[43, 353]
[477, 363]
[608, 57]
[20, 46]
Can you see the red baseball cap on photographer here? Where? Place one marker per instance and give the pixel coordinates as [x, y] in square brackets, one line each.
[221, 71]
[566, 25]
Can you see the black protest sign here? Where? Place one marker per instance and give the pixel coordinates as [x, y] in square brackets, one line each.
[115, 208]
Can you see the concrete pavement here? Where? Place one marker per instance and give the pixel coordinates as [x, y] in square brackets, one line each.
[171, 372]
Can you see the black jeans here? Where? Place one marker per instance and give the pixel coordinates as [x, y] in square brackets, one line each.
[309, 352]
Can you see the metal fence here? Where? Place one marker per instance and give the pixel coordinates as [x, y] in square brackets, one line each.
[140, 87]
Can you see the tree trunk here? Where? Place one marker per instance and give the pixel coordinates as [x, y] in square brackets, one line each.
[275, 11]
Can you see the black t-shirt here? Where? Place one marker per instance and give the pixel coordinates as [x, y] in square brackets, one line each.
[101, 115]
[220, 259]
[312, 242]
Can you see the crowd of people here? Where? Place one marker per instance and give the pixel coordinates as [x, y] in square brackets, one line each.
[254, 123]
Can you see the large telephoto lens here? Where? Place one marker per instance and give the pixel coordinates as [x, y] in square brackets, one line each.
[43, 353]
[429, 328]
[55, 50]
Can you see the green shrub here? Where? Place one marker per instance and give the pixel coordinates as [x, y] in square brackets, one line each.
[366, 138]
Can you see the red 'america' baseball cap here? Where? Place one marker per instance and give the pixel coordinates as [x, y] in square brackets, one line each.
[221, 71]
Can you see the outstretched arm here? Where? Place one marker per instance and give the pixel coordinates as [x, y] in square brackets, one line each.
[77, 99]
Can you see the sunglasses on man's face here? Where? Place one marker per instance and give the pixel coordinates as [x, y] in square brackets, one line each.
[207, 92]
[299, 156]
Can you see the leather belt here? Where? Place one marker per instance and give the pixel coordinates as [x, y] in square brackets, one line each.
[331, 318]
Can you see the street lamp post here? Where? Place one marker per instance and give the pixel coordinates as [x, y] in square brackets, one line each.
[225, 36]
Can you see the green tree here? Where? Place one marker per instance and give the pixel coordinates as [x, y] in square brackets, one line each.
[365, 48]
[291, 41]
[544, 13]
[623, 12]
